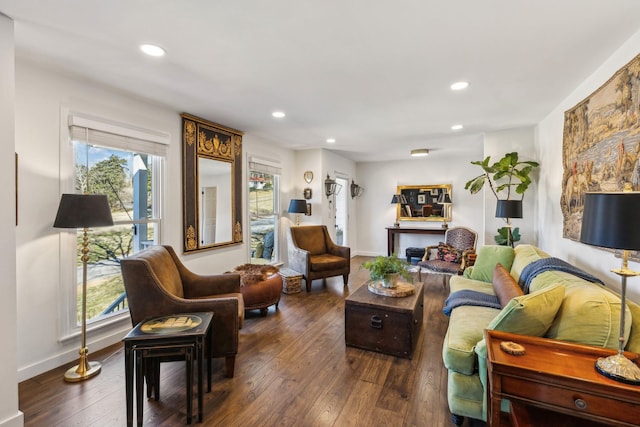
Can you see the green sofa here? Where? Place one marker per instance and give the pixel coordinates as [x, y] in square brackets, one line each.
[559, 305]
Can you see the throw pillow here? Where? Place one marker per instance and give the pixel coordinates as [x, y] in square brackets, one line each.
[530, 314]
[488, 257]
[504, 286]
[448, 253]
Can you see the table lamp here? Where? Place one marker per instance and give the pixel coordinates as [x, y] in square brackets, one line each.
[509, 209]
[398, 199]
[83, 211]
[297, 206]
[608, 220]
[445, 201]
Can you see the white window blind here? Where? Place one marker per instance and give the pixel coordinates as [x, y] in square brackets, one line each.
[119, 136]
[265, 166]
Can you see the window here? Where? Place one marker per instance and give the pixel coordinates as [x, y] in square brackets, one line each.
[263, 200]
[128, 170]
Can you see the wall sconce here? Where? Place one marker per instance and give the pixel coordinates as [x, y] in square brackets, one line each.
[356, 190]
[331, 187]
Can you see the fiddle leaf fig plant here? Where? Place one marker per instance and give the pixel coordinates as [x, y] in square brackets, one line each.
[503, 176]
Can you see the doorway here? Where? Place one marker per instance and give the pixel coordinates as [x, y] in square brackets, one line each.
[341, 213]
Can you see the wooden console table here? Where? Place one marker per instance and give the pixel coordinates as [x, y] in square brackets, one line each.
[392, 231]
[559, 379]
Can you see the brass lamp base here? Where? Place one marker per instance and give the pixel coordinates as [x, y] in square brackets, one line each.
[619, 368]
[83, 370]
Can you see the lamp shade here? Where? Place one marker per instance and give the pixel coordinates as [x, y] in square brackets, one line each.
[83, 211]
[509, 209]
[297, 206]
[444, 199]
[609, 220]
[399, 198]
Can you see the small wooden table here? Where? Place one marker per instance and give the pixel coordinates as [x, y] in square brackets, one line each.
[560, 379]
[384, 324]
[161, 337]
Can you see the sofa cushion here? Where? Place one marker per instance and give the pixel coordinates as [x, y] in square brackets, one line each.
[530, 314]
[504, 286]
[524, 255]
[589, 315]
[488, 257]
[448, 253]
[466, 328]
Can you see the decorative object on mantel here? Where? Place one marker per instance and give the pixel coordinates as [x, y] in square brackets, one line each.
[356, 190]
[83, 211]
[297, 206]
[308, 177]
[387, 270]
[608, 221]
[331, 187]
[501, 176]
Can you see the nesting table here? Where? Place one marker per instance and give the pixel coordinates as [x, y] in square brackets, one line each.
[178, 335]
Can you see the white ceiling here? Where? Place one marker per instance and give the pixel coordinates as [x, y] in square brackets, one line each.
[374, 74]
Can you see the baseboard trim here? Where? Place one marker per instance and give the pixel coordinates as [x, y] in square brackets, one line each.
[17, 420]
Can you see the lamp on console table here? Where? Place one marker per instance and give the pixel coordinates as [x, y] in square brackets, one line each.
[608, 220]
[445, 201]
[83, 211]
[398, 199]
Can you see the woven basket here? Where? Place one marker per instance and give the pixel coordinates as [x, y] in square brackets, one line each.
[291, 281]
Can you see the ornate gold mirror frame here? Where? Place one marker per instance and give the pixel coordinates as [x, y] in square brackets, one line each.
[211, 184]
[422, 203]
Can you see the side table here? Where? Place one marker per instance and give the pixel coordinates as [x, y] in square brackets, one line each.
[176, 335]
[560, 379]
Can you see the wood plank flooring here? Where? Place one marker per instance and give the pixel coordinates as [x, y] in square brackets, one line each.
[292, 369]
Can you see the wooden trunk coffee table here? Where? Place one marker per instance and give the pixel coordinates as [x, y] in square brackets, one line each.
[389, 325]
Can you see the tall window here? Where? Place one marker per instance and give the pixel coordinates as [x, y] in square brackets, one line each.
[128, 171]
[264, 185]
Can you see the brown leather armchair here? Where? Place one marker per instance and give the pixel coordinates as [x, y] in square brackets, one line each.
[158, 284]
[313, 253]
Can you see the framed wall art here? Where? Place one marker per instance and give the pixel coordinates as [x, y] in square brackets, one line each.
[601, 144]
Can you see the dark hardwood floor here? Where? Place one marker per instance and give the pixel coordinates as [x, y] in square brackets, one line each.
[292, 369]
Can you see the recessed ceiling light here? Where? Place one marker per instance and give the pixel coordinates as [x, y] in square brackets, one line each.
[152, 50]
[278, 114]
[421, 152]
[459, 85]
[331, 140]
[456, 127]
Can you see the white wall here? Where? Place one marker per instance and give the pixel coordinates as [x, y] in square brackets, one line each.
[380, 179]
[10, 416]
[548, 142]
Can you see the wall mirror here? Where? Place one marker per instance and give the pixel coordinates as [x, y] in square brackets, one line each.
[211, 184]
[422, 203]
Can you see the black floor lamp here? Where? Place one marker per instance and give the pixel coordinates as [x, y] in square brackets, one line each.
[83, 211]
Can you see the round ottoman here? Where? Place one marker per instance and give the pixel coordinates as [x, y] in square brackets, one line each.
[261, 287]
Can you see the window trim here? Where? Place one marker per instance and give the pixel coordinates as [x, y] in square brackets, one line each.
[274, 167]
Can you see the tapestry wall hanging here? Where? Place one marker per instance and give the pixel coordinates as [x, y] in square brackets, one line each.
[601, 144]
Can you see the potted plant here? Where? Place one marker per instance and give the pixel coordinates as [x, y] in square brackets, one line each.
[388, 270]
[505, 175]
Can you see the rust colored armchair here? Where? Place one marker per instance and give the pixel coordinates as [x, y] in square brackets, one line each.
[313, 253]
[158, 284]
